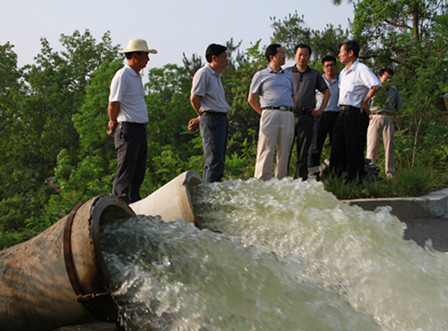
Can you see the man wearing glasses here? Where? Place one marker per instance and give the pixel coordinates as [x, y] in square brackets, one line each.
[324, 124]
[306, 82]
[274, 88]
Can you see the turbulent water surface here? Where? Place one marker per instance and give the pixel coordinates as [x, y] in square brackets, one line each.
[275, 255]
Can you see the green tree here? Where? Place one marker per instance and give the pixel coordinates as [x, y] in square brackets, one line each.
[13, 174]
[380, 20]
[39, 124]
[411, 36]
[293, 30]
[244, 121]
[388, 30]
[57, 89]
[91, 171]
[169, 110]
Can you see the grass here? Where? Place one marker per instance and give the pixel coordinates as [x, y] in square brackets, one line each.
[408, 183]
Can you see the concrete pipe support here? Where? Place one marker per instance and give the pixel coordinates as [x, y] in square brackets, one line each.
[172, 201]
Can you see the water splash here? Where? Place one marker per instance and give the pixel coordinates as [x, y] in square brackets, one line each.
[360, 254]
[276, 255]
[172, 276]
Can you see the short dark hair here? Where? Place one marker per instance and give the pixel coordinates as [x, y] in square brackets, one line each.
[301, 45]
[388, 70]
[214, 49]
[328, 58]
[351, 45]
[271, 50]
[128, 55]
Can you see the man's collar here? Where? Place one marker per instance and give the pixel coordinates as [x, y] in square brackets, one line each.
[354, 65]
[329, 81]
[270, 70]
[131, 70]
[294, 69]
[211, 70]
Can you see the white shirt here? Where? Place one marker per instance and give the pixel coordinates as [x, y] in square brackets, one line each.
[127, 88]
[207, 84]
[355, 83]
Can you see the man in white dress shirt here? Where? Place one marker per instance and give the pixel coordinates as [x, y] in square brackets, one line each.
[357, 85]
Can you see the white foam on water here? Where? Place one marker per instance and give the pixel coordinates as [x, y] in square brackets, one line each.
[275, 255]
[173, 276]
[360, 254]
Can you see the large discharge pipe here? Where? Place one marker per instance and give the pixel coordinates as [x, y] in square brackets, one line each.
[59, 277]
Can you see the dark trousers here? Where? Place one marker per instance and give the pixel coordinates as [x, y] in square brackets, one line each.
[323, 125]
[131, 146]
[303, 133]
[213, 127]
[350, 135]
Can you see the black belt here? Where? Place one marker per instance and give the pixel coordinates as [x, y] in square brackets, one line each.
[213, 113]
[134, 124]
[345, 107]
[282, 108]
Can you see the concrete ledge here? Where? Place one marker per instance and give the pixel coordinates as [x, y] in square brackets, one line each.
[433, 205]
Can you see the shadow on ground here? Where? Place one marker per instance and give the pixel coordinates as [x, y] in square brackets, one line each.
[426, 217]
[422, 230]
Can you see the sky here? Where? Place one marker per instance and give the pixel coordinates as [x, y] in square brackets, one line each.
[172, 27]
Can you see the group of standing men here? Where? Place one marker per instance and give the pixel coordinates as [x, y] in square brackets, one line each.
[286, 102]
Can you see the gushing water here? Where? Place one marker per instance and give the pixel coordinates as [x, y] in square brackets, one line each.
[275, 255]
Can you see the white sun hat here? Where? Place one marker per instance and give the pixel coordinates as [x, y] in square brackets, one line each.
[137, 45]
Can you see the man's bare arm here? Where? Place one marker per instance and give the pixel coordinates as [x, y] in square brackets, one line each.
[113, 109]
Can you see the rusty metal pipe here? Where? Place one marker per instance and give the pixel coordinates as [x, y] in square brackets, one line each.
[59, 277]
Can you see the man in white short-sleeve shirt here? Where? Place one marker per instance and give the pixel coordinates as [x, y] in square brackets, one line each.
[128, 116]
[271, 95]
[357, 85]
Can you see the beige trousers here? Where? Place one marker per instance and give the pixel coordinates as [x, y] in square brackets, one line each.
[276, 129]
[382, 126]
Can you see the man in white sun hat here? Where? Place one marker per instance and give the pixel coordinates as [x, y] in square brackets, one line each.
[128, 116]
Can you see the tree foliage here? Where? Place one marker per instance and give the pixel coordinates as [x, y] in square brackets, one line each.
[293, 30]
[38, 102]
[53, 114]
[380, 20]
[89, 172]
[411, 36]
